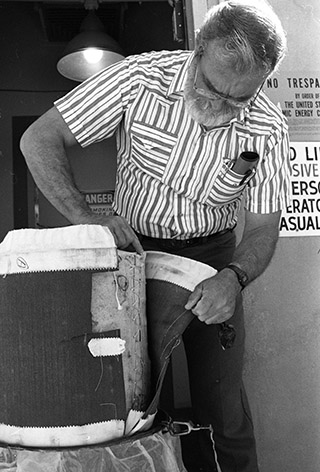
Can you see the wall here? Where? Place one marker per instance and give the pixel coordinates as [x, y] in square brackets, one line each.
[29, 83]
[283, 323]
[282, 368]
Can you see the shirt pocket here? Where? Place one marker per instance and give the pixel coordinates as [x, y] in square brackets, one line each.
[151, 148]
[228, 186]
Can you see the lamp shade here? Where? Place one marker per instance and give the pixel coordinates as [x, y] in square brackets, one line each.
[90, 51]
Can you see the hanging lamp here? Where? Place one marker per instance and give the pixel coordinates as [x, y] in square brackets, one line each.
[90, 51]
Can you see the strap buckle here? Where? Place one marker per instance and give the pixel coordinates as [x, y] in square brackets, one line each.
[182, 428]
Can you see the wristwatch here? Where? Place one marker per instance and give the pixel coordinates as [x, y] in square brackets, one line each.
[243, 278]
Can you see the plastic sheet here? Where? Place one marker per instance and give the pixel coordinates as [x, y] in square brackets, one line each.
[157, 452]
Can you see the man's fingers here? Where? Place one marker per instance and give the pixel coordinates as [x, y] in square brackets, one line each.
[193, 299]
[137, 245]
[125, 236]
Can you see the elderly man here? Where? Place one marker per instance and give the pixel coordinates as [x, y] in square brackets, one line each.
[183, 120]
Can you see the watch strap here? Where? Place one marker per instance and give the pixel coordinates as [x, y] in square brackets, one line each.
[242, 276]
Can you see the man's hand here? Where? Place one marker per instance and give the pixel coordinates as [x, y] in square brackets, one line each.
[213, 300]
[122, 232]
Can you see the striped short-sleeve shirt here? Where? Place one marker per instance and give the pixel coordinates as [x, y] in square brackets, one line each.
[174, 178]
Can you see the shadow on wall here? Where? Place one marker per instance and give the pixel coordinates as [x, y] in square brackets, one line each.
[282, 366]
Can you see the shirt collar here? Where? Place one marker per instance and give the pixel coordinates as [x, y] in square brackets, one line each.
[178, 81]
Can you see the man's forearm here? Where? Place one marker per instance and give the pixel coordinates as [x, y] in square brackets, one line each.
[255, 251]
[257, 246]
[47, 160]
[56, 182]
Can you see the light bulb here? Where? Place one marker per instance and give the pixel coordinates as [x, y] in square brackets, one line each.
[93, 55]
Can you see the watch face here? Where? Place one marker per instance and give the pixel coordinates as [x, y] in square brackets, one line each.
[244, 279]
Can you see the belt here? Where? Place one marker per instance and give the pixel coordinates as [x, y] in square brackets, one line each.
[182, 243]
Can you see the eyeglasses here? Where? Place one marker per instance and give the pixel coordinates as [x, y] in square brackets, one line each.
[236, 102]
